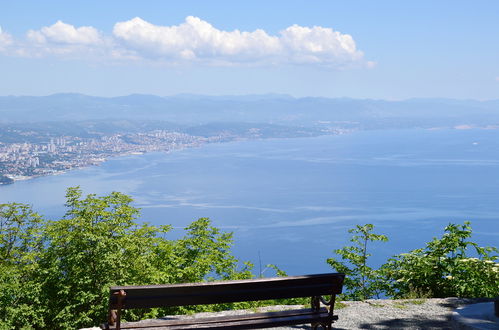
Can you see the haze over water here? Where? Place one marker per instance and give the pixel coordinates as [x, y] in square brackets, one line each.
[293, 200]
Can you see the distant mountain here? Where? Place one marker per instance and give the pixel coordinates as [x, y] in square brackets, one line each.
[248, 97]
[186, 109]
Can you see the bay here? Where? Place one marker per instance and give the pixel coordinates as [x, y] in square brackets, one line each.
[290, 202]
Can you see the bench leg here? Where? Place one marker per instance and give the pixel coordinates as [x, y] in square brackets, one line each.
[111, 318]
[321, 325]
[114, 316]
[315, 302]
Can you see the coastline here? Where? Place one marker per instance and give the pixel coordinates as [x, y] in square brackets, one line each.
[94, 162]
[98, 160]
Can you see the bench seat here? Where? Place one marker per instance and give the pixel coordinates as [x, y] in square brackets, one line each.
[238, 321]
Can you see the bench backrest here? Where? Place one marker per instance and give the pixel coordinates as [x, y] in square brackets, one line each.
[149, 296]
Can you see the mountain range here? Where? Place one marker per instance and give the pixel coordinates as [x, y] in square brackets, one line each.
[275, 109]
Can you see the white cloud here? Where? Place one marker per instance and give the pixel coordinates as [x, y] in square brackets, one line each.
[64, 34]
[5, 40]
[497, 78]
[66, 40]
[198, 40]
[193, 41]
[318, 45]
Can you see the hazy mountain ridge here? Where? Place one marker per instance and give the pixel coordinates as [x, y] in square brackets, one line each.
[188, 109]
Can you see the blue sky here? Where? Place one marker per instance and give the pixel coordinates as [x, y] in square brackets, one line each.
[360, 49]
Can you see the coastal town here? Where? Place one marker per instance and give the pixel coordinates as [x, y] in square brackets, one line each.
[21, 161]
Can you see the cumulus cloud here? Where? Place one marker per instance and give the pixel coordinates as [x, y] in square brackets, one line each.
[64, 34]
[5, 40]
[318, 45]
[193, 41]
[65, 40]
[198, 40]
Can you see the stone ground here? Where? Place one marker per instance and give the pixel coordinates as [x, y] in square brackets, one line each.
[381, 314]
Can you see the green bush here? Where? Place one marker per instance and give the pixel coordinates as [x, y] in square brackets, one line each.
[444, 268]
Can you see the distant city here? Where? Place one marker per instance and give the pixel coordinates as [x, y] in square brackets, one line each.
[24, 160]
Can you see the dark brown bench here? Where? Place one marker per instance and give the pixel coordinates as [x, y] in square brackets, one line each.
[150, 296]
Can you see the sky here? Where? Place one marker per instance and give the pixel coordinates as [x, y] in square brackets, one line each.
[360, 49]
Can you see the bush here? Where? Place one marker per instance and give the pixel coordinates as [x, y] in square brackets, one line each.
[444, 268]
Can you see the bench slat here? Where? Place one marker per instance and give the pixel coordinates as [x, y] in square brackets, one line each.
[245, 321]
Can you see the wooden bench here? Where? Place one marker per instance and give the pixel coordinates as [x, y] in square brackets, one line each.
[150, 296]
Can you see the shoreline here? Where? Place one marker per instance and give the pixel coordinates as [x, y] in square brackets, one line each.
[95, 162]
[99, 160]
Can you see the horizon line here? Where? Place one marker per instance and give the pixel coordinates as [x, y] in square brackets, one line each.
[267, 95]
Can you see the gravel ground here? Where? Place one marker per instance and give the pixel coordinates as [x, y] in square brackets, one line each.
[398, 314]
[381, 314]
[395, 314]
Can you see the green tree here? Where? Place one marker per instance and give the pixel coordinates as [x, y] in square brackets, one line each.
[361, 281]
[202, 252]
[97, 244]
[57, 274]
[21, 245]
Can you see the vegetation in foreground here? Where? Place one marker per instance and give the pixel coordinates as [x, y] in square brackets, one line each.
[443, 268]
[57, 274]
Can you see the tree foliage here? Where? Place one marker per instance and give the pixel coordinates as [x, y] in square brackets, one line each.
[444, 268]
[21, 244]
[361, 281]
[57, 274]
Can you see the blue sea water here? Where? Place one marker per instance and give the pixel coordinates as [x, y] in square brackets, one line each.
[291, 201]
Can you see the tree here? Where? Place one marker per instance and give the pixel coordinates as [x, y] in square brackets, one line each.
[57, 274]
[97, 244]
[361, 281]
[21, 245]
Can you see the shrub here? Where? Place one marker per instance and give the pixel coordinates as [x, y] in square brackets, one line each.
[444, 268]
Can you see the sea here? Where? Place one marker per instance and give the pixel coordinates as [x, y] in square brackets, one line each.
[290, 202]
